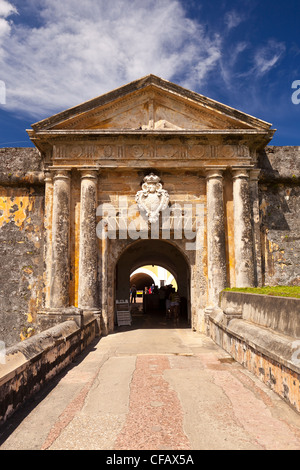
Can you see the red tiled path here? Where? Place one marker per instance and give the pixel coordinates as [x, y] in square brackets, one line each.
[155, 418]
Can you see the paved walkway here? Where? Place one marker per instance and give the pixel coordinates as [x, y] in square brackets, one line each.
[154, 389]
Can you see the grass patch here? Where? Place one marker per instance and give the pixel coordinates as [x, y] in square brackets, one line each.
[281, 291]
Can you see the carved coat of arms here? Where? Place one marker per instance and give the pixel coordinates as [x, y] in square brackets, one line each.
[152, 198]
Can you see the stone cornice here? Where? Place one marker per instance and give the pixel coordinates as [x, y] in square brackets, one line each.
[150, 132]
[253, 139]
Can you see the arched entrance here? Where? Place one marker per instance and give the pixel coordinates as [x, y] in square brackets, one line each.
[141, 280]
[158, 252]
[145, 276]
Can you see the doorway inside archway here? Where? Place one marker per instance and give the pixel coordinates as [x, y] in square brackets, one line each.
[146, 276]
[158, 264]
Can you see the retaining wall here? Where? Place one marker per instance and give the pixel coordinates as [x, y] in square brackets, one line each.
[263, 334]
[30, 364]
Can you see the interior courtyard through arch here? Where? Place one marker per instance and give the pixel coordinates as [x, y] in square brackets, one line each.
[154, 304]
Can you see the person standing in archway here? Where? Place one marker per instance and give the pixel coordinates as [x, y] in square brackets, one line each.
[133, 294]
[175, 303]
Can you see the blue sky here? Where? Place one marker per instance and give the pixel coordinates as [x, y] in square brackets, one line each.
[56, 54]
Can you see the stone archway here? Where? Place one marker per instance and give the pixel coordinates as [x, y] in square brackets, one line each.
[141, 280]
[162, 252]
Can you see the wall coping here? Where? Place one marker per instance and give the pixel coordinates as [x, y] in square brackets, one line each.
[280, 348]
[21, 354]
[280, 314]
[259, 295]
[30, 364]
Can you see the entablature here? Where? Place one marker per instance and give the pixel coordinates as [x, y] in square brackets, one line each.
[146, 150]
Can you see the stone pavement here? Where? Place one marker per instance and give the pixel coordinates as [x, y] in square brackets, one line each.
[154, 389]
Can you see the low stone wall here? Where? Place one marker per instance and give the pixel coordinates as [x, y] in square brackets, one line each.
[30, 364]
[263, 334]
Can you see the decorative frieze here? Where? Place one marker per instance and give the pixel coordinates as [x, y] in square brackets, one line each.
[158, 151]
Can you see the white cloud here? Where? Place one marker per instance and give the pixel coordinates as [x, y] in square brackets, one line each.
[233, 19]
[228, 64]
[6, 8]
[80, 50]
[268, 56]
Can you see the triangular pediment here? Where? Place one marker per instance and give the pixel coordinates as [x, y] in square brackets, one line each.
[149, 104]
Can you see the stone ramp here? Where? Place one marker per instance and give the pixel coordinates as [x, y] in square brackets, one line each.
[155, 389]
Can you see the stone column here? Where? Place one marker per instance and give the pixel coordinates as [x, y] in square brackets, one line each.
[217, 275]
[243, 235]
[48, 235]
[60, 270]
[254, 175]
[87, 286]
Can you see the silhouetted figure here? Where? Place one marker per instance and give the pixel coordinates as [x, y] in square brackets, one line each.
[133, 294]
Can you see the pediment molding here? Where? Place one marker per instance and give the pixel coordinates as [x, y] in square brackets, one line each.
[151, 103]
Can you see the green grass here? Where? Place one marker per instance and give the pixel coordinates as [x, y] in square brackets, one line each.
[281, 291]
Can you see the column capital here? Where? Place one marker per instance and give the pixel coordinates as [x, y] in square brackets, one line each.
[88, 173]
[238, 173]
[60, 173]
[48, 176]
[254, 174]
[216, 172]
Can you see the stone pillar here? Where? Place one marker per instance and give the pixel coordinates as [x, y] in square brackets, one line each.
[254, 175]
[217, 275]
[243, 235]
[87, 286]
[48, 235]
[60, 269]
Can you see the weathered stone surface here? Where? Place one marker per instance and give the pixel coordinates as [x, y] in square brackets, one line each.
[280, 163]
[30, 364]
[60, 275]
[20, 160]
[217, 275]
[21, 241]
[281, 314]
[243, 234]
[279, 196]
[88, 279]
[262, 333]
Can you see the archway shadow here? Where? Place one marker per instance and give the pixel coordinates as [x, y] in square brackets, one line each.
[153, 318]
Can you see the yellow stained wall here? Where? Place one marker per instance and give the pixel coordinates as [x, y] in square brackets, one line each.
[21, 226]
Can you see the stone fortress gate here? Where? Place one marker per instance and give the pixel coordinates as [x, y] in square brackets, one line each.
[150, 173]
